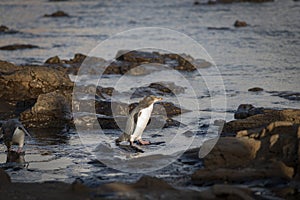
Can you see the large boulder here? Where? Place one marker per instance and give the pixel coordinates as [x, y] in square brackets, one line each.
[258, 121]
[28, 82]
[271, 152]
[50, 110]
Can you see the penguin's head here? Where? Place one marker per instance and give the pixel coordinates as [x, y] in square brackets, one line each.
[151, 99]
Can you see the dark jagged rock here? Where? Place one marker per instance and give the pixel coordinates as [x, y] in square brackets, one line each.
[5, 29]
[58, 13]
[293, 96]
[259, 121]
[50, 110]
[247, 110]
[28, 82]
[158, 89]
[18, 47]
[53, 60]
[238, 23]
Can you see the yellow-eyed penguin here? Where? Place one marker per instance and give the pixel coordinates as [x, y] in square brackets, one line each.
[13, 133]
[138, 120]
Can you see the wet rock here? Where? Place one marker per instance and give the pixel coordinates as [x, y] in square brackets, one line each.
[293, 96]
[255, 89]
[167, 87]
[259, 121]
[4, 178]
[53, 60]
[237, 1]
[13, 47]
[7, 67]
[158, 89]
[58, 13]
[140, 57]
[261, 171]
[28, 82]
[227, 192]
[247, 110]
[270, 153]
[238, 23]
[232, 152]
[50, 110]
[5, 29]
[105, 91]
[131, 59]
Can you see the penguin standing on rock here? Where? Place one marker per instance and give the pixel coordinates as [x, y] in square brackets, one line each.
[13, 133]
[138, 120]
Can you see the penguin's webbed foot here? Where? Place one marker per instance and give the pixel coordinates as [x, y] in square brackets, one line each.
[19, 151]
[144, 142]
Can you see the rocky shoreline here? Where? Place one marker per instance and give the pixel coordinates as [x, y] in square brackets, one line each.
[257, 155]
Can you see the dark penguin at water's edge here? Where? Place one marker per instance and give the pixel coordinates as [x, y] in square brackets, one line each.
[13, 132]
[137, 121]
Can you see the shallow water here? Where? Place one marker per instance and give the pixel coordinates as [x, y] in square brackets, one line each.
[264, 54]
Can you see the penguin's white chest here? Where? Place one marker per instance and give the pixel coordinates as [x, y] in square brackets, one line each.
[142, 121]
[144, 116]
[18, 137]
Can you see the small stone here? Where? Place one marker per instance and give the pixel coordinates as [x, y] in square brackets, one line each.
[238, 23]
[255, 89]
[57, 14]
[53, 60]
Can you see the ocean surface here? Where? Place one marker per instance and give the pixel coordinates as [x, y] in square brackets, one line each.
[264, 54]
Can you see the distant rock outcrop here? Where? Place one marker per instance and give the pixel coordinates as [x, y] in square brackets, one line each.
[58, 13]
[13, 47]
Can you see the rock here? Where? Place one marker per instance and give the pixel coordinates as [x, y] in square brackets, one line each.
[152, 183]
[57, 14]
[7, 67]
[157, 89]
[257, 122]
[237, 1]
[167, 87]
[18, 47]
[53, 60]
[261, 171]
[140, 57]
[127, 60]
[5, 29]
[255, 89]
[238, 23]
[247, 110]
[230, 152]
[293, 96]
[227, 192]
[270, 153]
[51, 110]
[196, 3]
[4, 178]
[28, 82]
